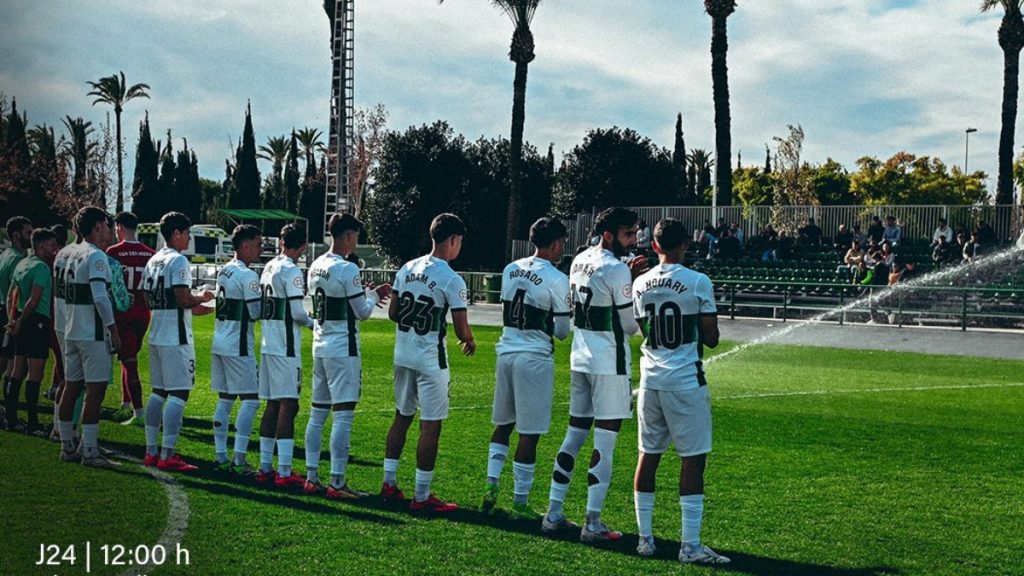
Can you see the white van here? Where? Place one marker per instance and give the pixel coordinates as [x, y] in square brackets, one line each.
[208, 244]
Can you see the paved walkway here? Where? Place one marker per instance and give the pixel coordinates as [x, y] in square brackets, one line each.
[976, 343]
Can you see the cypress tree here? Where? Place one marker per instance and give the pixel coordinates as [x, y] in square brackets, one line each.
[145, 190]
[679, 163]
[247, 173]
[291, 177]
[165, 184]
[14, 138]
[767, 160]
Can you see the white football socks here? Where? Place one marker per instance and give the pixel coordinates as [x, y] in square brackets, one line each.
[266, 454]
[600, 474]
[221, 417]
[90, 440]
[67, 435]
[496, 455]
[154, 417]
[314, 438]
[522, 475]
[341, 431]
[174, 411]
[423, 480]
[285, 450]
[644, 504]
[391, 471]
[565, 461]
[243, 428]
[692, 506]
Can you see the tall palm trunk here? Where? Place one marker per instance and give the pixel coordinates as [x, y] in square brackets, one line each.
[1011, 40]
[719, 10]
[522, 54]
[120, 169]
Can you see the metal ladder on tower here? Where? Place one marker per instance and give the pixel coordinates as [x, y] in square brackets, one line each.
[338, 197]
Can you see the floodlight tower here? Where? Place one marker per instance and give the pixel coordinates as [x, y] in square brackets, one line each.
[338, 197]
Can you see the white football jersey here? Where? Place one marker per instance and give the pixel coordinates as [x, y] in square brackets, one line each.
[170, 325]
[668, 302]
[281, 282]
[85, 264]
[238, 309]
[337, 287]
[425, 289]
[533, 293]
[600, 286]
[60, 263]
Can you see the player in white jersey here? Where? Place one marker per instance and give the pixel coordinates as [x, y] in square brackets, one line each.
[599, 395]
[284, 287]
[339, 301]
[535, 310]
[90, 335]
[167, 281]
[675, 307]
[423, 292]
[60, 262]
[233, 372]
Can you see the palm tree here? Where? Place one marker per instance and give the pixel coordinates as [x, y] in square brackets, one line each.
[274, 151]
[521, 52]
[80, 151]
[1011, 40]
[309, 140]
[720, 10]
[115, 91]
[701, 163]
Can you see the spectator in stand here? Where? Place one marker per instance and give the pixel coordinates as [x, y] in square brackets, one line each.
[876, 229]
[643, 236]
[860, 236]
[768, 232]
[854, 256]
[972, 250]
[942, 232]
[810, 235]
[957, 248]
[892, 231]
[784, 246]
[887, 254]
[841, 241]
[941, 254]
[721, 227]
[728, 246]
[737, 232]
[708, 239]
[881, 273]
[986, 236]
[862, 275]
[895, 273]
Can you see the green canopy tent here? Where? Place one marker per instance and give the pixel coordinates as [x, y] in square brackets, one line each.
[240, 216]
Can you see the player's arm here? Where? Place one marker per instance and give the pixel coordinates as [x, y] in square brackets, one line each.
[363, 301]
[296, 293]
[708, 312]
[560, 309]
[396, 287]
[12, 301]
[189, 301]
[33, 301]
[621, 287]
[456, 294]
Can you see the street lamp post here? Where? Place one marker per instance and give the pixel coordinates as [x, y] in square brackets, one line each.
[967, 146]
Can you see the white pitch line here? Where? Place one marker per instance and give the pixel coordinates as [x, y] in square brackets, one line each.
[177, 513]
[716, 397]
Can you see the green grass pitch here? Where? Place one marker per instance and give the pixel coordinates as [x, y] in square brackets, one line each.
[826, 462]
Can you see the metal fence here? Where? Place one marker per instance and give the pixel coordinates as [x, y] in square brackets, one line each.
[917, 222]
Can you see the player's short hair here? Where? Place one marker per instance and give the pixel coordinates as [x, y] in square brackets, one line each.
[545, 231]
[613, 219]
[128, 220]
[243, 233]
[15, 224]
[670, 234]
[343, 222]
[293, 235]
[60, 232]
[41, 235]
[173, 222]
[446, 225]
[87, 218]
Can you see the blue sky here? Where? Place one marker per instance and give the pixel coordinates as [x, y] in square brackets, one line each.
[863, 77]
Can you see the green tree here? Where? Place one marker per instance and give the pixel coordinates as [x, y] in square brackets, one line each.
[614, 167]
[291, 176]
[752, 187]
[168, 172]
[274, 151]
[720, 10]
[309, 139]
[908, 179]
[145, 184]
[247, 173]
[188, 196]
[701, 164]
[312, 196]
[679, 164]
[82, 150]
[115, 91]
[521, 52]
[831, 183]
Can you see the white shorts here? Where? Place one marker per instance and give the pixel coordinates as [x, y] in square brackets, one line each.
[427, 390]
[682, 417]
[87, 361]
[600, 396]
[337, 380]
[172, 368]
[523, 390]
[234, 374]
[280, 377]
